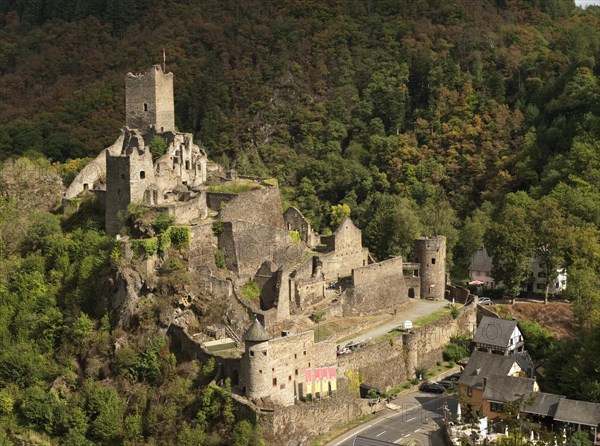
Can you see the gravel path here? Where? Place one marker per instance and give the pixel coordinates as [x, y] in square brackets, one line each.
[412, 311]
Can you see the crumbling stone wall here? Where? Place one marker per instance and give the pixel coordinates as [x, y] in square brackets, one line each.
[94, 171]
[295, 221]
[128, 175]
[185, 211]
[377, 286]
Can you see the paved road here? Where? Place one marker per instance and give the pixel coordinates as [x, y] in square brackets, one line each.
[413, 310]
[418, 422]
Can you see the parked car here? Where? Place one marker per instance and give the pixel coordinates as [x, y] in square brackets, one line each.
[454, 376]
[446, 383]
[431, 388]
[485, 301]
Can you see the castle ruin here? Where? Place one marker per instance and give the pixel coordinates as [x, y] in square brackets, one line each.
[297, 276]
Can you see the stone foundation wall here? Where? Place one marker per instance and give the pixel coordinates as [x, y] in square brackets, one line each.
[203, 247]
[297, 425]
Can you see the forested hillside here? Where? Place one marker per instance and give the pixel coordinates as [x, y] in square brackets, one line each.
[478, 120]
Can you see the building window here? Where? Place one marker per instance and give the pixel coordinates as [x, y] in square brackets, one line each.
[142, 174]
[304, 352]
[274, 382]
[433, 261]
[264, 353]
[260, 371]
[541, 286]
[290, 378]
[541, 274]
[145, 107]
[295, 355]
[496, 407]
[296, 372]
[251, 353]
[122, 176]
[86, 186]
[272, 369]
[187, 164]
[309, 364]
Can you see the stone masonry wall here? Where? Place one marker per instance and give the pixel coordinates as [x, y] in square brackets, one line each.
[295, 221]
[297, 425]
[94, 170]
[216, 199]
[186, 211]
[377, 286]
[261, 206]
[384, 365]
[341, 263]
[252, 244]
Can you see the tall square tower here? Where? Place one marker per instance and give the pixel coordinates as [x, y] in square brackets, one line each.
[149, 101]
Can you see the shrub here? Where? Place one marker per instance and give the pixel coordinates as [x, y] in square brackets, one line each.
[158, 147]
[455, 352]
[180, 236]
[162, 222]
[219, 259]
[251, 291]
[164, 241]
[147, 246]
[295, 236]
[539, 340]
[454, 312]
[217, 227]
[318, 316]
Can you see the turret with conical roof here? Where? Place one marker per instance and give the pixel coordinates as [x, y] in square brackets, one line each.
[256, 359]
[256, 333]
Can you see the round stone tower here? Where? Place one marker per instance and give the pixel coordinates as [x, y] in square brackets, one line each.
[430, 253]
[256, 360]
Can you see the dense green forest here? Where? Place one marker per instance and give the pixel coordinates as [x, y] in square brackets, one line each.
[478, 120]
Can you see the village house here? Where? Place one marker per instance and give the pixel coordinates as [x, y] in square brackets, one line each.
[498, 336]
[480, 271]
[491, 382]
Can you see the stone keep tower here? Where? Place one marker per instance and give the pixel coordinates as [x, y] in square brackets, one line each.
[149, 101]
[256, 362]
[430, 253]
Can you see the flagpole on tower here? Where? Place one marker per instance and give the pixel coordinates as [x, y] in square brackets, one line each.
[164, 61]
